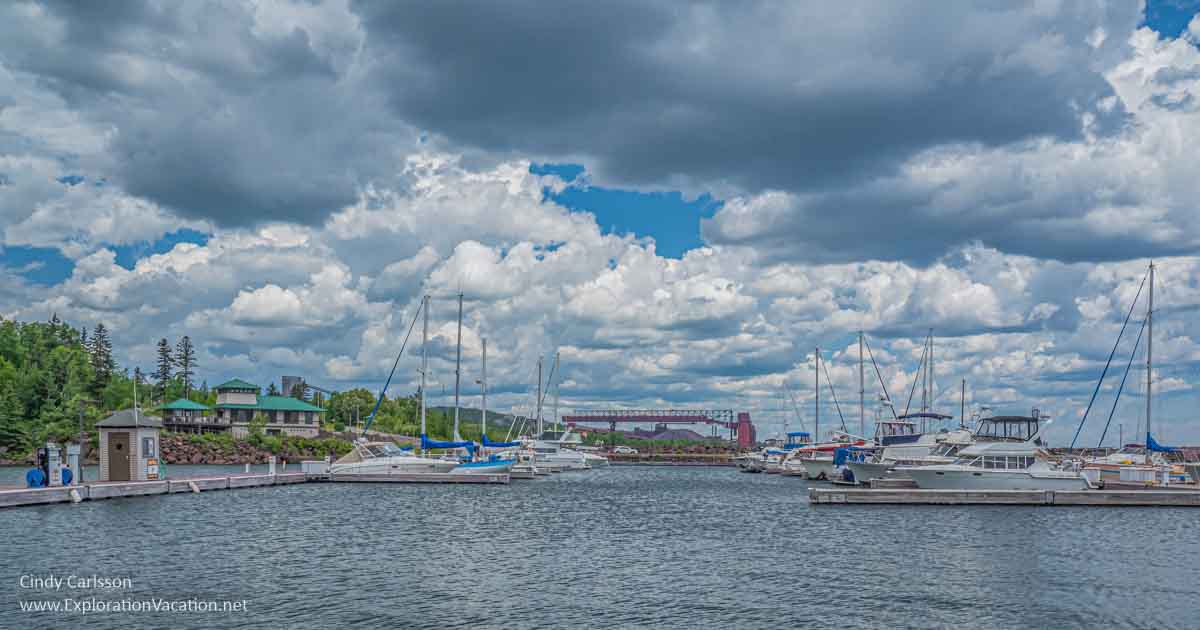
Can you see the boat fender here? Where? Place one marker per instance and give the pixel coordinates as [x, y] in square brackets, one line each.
[66, 476]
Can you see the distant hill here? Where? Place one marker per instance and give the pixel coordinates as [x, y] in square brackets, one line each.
[473, 416]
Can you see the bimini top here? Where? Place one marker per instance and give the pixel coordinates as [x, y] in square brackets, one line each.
[1008, 428]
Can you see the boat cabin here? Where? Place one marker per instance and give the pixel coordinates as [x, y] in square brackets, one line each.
[895, 432]
[925, 418]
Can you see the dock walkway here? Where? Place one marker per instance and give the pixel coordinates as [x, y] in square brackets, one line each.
[913, 496]
[94, 491]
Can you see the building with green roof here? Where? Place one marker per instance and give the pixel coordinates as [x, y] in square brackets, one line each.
[188, 416]
[238, 402]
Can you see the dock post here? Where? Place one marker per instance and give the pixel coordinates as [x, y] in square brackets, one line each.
[247, 468]
[271, 465]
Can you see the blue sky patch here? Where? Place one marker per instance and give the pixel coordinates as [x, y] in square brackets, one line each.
[1170, 18]
[128, 255]
[672, 220]
[38, 265]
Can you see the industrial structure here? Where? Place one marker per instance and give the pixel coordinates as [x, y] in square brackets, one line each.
[741, 430]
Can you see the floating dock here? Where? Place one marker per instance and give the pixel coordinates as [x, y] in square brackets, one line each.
[912, 496]
[95, 491]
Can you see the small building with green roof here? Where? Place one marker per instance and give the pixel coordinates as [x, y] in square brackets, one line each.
[238, 402]
[188, 416]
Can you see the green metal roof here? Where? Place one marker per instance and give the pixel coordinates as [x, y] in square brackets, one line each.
[185, 405]
[275, 403]
[237, 383]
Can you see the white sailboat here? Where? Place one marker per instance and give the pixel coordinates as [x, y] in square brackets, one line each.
[385, 458]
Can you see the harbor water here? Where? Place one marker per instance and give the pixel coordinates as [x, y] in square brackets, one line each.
[628, 547]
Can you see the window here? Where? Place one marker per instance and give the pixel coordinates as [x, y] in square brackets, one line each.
[148, 447]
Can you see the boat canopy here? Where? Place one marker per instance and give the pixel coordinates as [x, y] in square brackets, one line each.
[1011, 428]
[427, 444]
[1152, 445]
[797, 434]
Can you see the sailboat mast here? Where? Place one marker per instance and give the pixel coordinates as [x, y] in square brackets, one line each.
[817, 389]
[483, 384]
[862, 390]
[539, 399]
[458, 365]
[1149, 356]
[424, 358]
[557, 380]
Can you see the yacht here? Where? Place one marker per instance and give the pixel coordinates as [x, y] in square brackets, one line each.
[903, 445]
[999, 466]
[385, 458]
[551, 449]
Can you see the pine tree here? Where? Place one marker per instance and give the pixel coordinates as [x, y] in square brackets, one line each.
[102, 361]
[272, 390]
[162, 375]
[185, 359]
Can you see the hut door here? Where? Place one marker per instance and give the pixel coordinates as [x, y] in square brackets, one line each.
[118, 456]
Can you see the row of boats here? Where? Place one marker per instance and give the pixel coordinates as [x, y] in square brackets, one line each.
[999, 453]
[525, 457]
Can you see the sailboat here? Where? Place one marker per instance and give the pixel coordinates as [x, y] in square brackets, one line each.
[385, 458]
[1150, 463]
[477, 462]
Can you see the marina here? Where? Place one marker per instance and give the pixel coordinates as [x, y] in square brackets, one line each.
[645, 544]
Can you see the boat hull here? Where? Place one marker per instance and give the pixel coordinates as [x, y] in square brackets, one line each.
[821, 469]
[944, 478]
[484, 468]
[866, 471]
[395, 465]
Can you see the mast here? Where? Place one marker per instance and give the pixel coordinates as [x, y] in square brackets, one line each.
[458, 366]
[483, 383]
[1149, 357]
[817, 389]
[539, 399]
[424, 359]
[862, 390]
[557, 380]
[962, 406]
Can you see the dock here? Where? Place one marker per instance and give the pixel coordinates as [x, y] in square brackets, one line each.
[95, 491]
[913, 496]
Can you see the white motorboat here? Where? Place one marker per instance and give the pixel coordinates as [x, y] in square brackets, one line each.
[904, 446]
[998, 466]
[818, 459]
[385, 458]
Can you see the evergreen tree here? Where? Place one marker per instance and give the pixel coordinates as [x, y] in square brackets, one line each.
[272, 390]
[185, 359]
[162, 375]
[102, 361]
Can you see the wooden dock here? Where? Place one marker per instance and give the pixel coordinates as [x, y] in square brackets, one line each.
[911, 496]
[95, 491]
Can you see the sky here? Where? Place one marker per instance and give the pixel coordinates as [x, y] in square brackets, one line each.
[683, 199]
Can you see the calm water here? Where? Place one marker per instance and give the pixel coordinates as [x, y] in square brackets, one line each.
[622, 547]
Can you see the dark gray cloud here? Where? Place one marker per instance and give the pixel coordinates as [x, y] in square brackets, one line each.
[758, 95]
[215, 115]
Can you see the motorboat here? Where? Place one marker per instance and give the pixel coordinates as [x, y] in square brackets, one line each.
[492, 465]
[818, 459]
[999, 466]
[904, 445]
[385, 458]
[551, 450]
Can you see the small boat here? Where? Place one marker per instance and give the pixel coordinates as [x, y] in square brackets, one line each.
[384, 458]
[999, 466]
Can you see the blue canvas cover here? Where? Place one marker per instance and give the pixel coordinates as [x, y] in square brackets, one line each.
[491, 444]
[1158, 448]
[427, 444]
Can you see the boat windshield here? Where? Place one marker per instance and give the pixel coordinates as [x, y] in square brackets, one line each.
[383, 450]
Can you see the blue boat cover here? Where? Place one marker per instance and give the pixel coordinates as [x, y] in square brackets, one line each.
[35, 478]
[776, 451]
[798, 434]
[427, 444]
[487, 442]
[840, 455]
[1158, 448]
